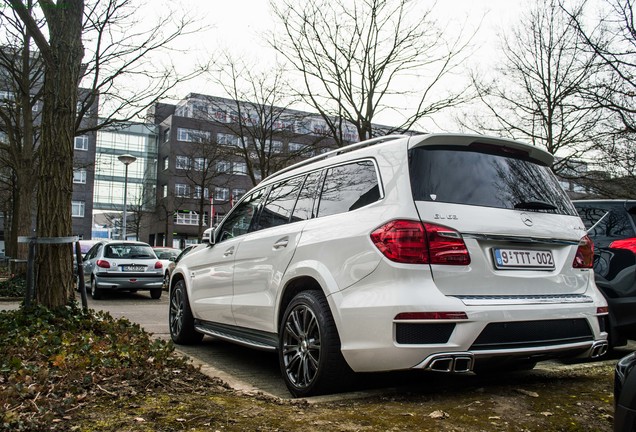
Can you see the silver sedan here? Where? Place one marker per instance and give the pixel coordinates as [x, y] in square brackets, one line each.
[123, 265]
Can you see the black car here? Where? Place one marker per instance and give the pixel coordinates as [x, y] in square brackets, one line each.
[625, 394]
[611, 224]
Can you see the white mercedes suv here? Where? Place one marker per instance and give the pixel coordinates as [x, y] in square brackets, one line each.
[451, 253]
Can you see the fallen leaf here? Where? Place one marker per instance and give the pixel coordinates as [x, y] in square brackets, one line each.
[139, 420]
[438, 415]
[546, 413]
[527, 393]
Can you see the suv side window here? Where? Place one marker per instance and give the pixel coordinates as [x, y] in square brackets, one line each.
[241, 220]
[348, 187]
[280, 203]
[305, 205]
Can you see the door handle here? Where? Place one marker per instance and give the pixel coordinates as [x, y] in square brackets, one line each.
[282, 243]
[229, 252]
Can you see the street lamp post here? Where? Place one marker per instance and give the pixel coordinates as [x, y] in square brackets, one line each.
[126, 159]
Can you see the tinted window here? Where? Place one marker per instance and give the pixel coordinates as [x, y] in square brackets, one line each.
[241, 219]
[609, 221]
[305, 205]
[119, 250]
[484, 177]
[280, 203]
[348, 187]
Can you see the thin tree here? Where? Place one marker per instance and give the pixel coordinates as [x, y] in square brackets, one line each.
[612, 39]
[116, 52]
[536, 92]
[360, 59]
[259, 116]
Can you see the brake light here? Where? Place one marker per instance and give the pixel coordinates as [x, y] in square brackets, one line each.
[412, 242]
[103, 264]
[629, 244]
[584, 254]
[158, 265]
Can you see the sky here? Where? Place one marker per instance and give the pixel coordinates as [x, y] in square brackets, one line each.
[239, 26]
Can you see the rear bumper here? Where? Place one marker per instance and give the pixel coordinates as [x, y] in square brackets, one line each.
[129, 282]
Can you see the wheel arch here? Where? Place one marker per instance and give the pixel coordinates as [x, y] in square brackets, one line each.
[292, 288]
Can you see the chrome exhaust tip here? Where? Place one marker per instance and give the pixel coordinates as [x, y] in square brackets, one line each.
[451, 363]
[599, 349]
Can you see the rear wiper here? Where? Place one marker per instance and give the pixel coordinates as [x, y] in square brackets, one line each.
[535, 205]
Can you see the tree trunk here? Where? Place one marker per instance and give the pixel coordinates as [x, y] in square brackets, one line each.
[63, 61]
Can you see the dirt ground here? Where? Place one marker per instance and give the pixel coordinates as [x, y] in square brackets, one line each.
[576, 398]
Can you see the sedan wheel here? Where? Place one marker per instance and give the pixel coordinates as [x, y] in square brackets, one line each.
[96, 293]
[180, 317]
[309, 351]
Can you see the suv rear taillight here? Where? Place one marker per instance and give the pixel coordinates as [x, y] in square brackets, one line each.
[413, 242]
[584, 254]
[629, 244]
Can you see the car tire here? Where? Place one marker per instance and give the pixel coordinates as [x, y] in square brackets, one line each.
[96, 293]
[309, 347]
[166, 281]
[180, 319]
[155, 293]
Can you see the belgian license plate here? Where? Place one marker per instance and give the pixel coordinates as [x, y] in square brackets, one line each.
[132, 268]
[523, 259]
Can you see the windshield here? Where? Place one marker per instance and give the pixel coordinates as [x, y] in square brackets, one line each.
[487, 178]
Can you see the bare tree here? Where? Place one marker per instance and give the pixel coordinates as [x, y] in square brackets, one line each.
[116, 50]
[199, 167]
[536, 94]
[359, 59]
[20, 77]
[612, 39]
[259, 116]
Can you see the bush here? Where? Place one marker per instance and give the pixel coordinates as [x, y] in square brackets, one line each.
[52, 360]
[13, 287]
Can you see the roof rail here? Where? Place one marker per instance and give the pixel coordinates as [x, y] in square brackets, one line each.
[339, 151]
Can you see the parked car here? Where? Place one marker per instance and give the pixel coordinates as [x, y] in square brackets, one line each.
[122, 265]
[450, 253]
[167, 256]
[174, 262]
[625, 394]
[611, 224]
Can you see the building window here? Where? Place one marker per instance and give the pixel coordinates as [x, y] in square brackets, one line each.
[223, 166]
[81, 142]
[228, 139]
[197, 192]
[221, 194]
[237, 194]
[187, 217]
[166, 135]
[79, 176]
[181, 190]
[166, 163]
[192, 135]
[165, 190]
[199, 164]
[78, 208]
[182, 163]
[271, 146]
[240, 168]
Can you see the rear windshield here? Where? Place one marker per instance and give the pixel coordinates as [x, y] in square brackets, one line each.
[121, 250]
[485, 177]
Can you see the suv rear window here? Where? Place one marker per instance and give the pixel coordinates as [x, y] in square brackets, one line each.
[485, 177]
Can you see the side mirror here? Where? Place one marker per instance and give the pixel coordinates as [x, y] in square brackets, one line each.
[208, 236]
